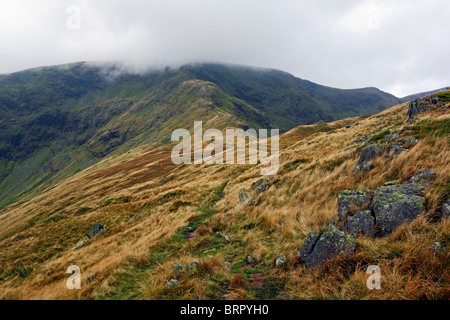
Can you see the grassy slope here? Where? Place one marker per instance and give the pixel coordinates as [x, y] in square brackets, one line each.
[149, 231]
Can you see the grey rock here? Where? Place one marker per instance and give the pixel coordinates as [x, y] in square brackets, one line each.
[421, 105]
[423, 176]
[445, 209]
[96, 229]
[394, 135]
[368, 154]
[361, 223]
[17, 239]
[281, 260]
[320, 248]
[226, 238]
[23, 272]
[359, 199]
[243, 196]
[89, 279]
[193, 266]
[395, 205]
[250, 260]
[172, 283]
[179, 269]
[260, 186]
[437, 247]
[392, 183]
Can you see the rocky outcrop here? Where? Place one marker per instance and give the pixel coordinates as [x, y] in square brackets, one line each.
[323, 247]
[394, 205]
[421, 105]
[349, 201]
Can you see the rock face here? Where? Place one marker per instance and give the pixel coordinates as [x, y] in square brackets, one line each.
[423, 176]
[356, 200]
[394, 205]
[368, 154]
[361, 223]
[421, 105]
[323, 247]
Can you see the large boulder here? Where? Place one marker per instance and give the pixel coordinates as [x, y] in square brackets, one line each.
[348, 200]
[368, 154]
[361, 223]
[394, 205]
[322, 247]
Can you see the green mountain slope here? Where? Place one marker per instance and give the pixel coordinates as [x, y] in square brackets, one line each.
[56, 121]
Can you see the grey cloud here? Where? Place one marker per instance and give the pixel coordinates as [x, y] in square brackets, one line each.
[398, 46]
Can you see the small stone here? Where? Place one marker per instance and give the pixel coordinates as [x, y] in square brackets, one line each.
[179, 269]
[243, 196]
[422, 177]
[281, 260]
[23, 272]
[17, 239]
[193, 266]
[250, 260]
[445, 209]
[172, 284]
[89, 279]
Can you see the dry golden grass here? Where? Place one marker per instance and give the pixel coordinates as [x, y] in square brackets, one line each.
[134, 257]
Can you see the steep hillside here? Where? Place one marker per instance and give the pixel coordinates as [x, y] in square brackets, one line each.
[56, 121]
[244, 232]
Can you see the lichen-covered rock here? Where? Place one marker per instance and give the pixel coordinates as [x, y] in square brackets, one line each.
[179, 269]
[358, 200]
[394, 205]
[361, 223]
[260, 186]
[250, 260]
[281, 260]
[445, 209]
[394, 135]
[172, 283]
[423, 176]
[243, 196]
[226, 238]
[320, 248]
[421, 105]
[193, 266]
[368, 154]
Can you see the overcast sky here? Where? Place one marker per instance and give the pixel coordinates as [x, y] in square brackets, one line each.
[400, 46]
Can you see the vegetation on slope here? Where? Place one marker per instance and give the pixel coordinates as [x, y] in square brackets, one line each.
[157, 215]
